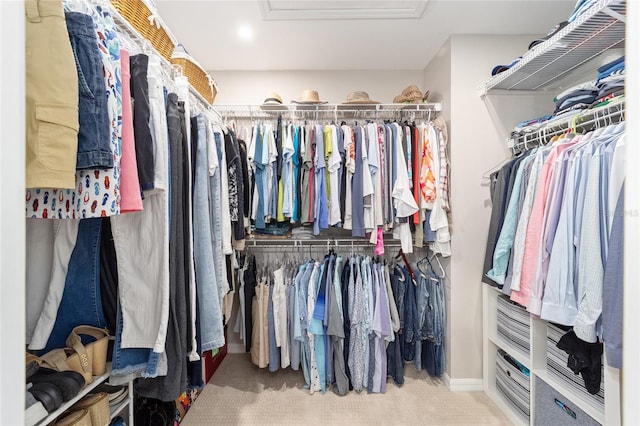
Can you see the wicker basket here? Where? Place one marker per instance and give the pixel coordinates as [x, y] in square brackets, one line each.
[198, 77]
[137, 13]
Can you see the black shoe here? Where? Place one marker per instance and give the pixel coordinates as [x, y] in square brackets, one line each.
[69, 382]
[48, 394]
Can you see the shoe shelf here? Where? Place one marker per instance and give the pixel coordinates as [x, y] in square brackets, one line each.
[128, 402]
[599, 29]
[97, 380]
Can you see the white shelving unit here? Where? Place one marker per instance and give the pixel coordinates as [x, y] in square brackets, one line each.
[97, 380]
[536, 362]
[599, 29]
[548, 66]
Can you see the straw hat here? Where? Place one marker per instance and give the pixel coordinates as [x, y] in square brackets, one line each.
[309, 97]
[359, 97]
[272, 99]
[411, 94]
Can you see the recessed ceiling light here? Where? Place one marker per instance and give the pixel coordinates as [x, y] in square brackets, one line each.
[245, 32]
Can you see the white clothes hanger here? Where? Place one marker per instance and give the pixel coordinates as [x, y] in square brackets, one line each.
[437, 259]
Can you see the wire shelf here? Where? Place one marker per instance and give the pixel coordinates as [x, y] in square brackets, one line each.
[330, 111]
[599, 29]
[611, 113]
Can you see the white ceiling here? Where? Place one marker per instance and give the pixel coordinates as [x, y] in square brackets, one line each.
[344, 34]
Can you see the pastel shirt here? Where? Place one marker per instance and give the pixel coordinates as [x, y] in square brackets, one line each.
[531, 254]
[367, 179]
[349, 169]
[507, 234]
[523, 222]
[592, 244]
[334, 162]
[559, 302]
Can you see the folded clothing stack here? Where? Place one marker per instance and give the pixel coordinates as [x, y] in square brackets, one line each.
[581, 96]
[610, 82]
[532, 124]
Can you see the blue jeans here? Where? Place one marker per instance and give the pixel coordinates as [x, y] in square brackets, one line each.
[137, 362]
[94, 134]
[216, 221]
[81, 302]
[411, 331]
[302, 287]
[211, 326]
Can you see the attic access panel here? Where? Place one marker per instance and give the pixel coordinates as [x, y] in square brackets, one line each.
[301, 10]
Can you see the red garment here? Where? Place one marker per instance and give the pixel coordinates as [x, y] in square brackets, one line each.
[416, 173]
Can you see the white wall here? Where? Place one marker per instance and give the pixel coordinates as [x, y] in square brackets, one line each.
[437, 79]
[251, 87]
[479, 131]
[12, 220]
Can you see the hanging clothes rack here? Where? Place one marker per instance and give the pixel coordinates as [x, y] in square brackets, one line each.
[326, 112]
[611, 113]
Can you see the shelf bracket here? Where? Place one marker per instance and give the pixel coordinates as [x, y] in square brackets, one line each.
[615, 14]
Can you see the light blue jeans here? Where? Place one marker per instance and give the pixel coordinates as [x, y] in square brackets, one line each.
[210, 320]
[216, 217]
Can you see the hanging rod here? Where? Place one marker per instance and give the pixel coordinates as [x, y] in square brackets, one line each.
[611, 113]
[315, 242]
[329, 111]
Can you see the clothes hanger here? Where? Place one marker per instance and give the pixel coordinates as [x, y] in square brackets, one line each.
[444, 274]
[492, 170]
[402, 256]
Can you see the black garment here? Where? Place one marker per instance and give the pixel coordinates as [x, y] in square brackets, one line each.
[346, 273]
[141, 118]
[108, 276]
[279, 147]
[238, 226]
[298, 176]
[233, 158]
[227, 259]
[584, 358]
[343, 173]
[500, 184]
[250, 281]
[169, 387]
[193, 149]
[187, 176]
[246, 185]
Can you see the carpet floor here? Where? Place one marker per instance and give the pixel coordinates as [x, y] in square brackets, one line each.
[242, 394]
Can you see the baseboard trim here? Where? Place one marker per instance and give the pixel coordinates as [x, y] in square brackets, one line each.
[236, 348]
[463, 385]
